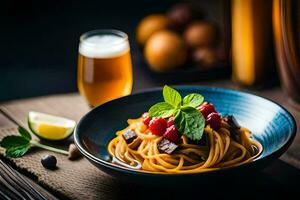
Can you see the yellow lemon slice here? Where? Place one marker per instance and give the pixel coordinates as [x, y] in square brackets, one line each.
[50, 127]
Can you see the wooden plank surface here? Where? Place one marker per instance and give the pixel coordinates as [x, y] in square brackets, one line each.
[6, 123]
[92, 183]
[71, 106]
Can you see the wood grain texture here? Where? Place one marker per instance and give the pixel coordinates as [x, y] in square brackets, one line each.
[74, 179]
[5, 122]
[71, 106]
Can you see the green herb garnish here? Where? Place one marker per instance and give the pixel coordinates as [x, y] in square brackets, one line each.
[188, 120]
[17, 145]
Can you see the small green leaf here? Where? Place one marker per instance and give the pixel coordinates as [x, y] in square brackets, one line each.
[16, 146]
[171, 96]
[161, 109]
[24, 133]
[194, 123]
[18, 151]
[193, 100]
[179, 120]
[13, 141]
[190, 122]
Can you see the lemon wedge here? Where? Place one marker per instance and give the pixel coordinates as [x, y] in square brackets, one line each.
[50, 127]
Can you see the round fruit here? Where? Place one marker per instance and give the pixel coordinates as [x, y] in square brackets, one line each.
[206, 109]
[180, 15]
[146, 119]
[214, 120]
[204, 56]
[150, 25]
[165, 50]
[172, 134]
[200, 34]
[50, 127]
[49, 161]
[158, 126]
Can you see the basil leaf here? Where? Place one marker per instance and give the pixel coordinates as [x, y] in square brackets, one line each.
[13, 141]
[24, 133]
[18, 151]
[161, 109]
[171, 96]
[190, 122]
[193, 100]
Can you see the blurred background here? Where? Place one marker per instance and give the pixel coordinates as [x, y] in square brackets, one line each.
[39, 40]
[235, 40]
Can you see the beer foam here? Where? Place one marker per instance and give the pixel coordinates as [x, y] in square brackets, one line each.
[103, 46]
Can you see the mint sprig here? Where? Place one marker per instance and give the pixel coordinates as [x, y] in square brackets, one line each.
[17, 145]
[187, 119]
[162, 109]
[193, 100]
[171, 96]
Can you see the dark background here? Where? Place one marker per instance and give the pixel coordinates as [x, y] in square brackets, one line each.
[39, 40]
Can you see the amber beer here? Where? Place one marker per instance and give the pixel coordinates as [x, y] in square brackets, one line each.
[104, 66]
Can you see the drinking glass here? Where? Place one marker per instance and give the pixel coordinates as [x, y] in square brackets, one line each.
[104, 66]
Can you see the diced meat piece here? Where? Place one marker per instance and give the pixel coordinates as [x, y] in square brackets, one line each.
[129, 136]
[234, 126]
[230, 119]
[166, 146]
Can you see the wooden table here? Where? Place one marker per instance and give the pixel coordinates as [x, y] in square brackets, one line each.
[283, 174]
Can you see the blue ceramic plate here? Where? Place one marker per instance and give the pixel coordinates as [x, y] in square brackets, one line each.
[272, 125]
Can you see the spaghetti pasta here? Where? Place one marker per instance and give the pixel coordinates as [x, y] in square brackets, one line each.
[223, 149]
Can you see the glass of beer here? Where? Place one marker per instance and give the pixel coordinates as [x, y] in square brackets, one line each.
[104, 66]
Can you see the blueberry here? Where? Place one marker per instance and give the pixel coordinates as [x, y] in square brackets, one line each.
[49, 161]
